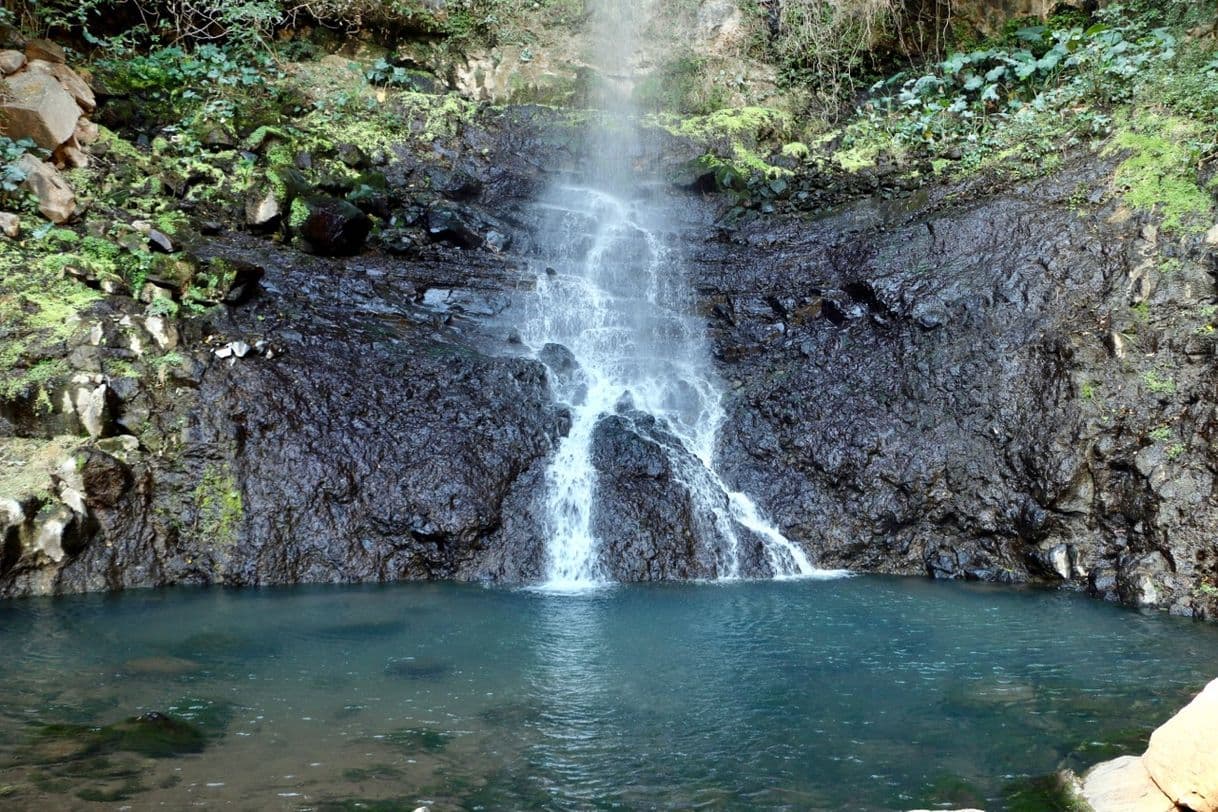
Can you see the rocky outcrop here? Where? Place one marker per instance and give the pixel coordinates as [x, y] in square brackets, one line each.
[933, 387]
[46, 102]
[1123, 784]
[949, 382]
[1179, 769]
[1182, 757]
[649, 522]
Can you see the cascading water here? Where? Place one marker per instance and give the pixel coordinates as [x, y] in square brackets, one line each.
[613, 319]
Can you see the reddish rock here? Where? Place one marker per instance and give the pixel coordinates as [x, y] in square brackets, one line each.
[46, 50]
[38, 108]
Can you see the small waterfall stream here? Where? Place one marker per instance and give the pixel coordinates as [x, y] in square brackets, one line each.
[613, 318]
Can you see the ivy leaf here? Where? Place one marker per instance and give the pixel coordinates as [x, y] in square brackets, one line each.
[954, 63]
[990, 93]
[996, 73]
[1034, 33]
[973, 82]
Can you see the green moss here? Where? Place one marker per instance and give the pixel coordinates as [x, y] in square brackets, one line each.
[218, 504]
[1162, 434]
[1159, 175]
[155, 735]
[1158, 384]
[741, 137]
[797, 150]
[1042, 794]
[298, 214]
[415, 740]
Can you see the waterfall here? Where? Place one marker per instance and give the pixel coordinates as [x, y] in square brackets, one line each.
[613, 319]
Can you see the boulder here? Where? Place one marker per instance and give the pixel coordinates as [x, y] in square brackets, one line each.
[10, 225]
[263, 210]
[45, 50]
[11, 61]
[1124, 784]
[334, 227]
[105, 479]
[55, 198]
[1183, 754]
[467, 227]
[70, 81]
[71, 156]
[38, 108]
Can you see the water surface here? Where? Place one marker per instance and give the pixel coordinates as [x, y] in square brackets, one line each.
[863, 693]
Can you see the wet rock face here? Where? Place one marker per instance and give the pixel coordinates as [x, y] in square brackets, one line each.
[933, 389]
[650, 526]
[953, 384]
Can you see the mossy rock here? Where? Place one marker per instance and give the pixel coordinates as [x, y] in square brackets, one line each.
[417, 740]
[155, 735]
[1045, 793]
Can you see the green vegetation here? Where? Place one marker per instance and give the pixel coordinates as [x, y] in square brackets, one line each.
[218, 504]
[1160, 173]
[1019, 99]
[1158, 384]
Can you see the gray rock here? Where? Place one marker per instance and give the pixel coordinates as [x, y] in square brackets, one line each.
[11, 61]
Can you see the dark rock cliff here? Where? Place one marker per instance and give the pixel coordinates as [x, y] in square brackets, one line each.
[963, 382]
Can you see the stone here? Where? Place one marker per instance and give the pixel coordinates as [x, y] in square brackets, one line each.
[1183, 754]
[1124, 785]
[10, 225]
[86, 133]
[466, 227]
[160, 241]
[45, 50]
[57, 529]
[1211, 236]
[11, 61]
[263, 210]
[240, 348]
[40, 109]
[92, 407]
[162, 331]
[104, 478]
[335, 227]
[119, 446]
[69, 80]
[72, 156]
[56, 200]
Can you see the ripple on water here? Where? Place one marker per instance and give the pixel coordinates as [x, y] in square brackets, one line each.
[868, 693]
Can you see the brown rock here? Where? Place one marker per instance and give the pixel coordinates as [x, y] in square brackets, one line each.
[10, 225]
[11, 61]
[72, 156]
[38, 108]
[46, 50]
[69, 80]
[55, 198]
[87, 132]
[1124, 785]
[1183, 754]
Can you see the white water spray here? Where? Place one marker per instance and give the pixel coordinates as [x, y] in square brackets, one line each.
[612, 292]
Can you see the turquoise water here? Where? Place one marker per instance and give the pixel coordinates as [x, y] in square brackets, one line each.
[862, 693]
